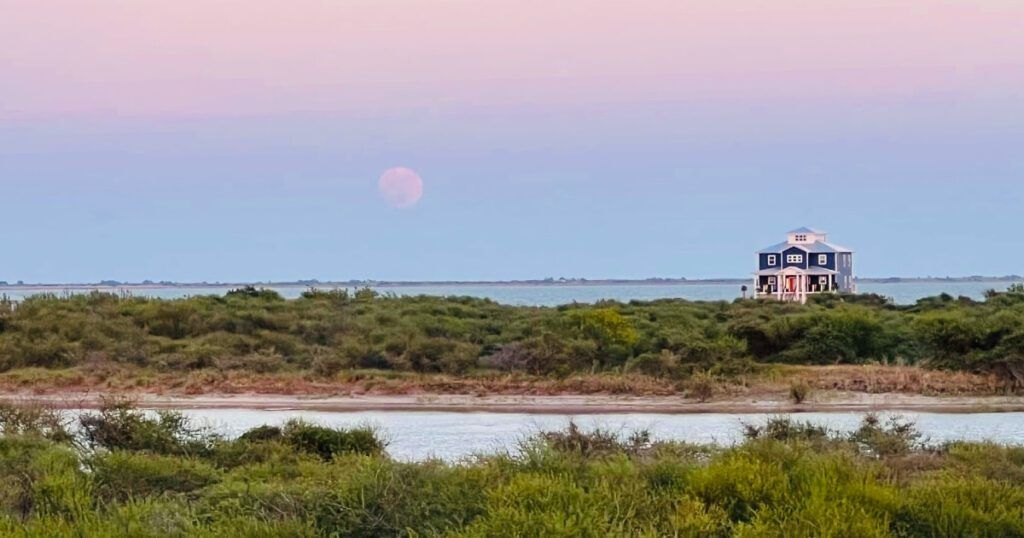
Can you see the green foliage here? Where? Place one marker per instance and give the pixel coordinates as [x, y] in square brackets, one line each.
[787, 479]
[327, 332]
[33, 420]
[121, 426]
[125, 475]
[40, 478]
[895, 436]
[330, 442]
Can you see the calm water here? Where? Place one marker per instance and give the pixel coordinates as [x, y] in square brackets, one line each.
[902, 293]
[452, 436]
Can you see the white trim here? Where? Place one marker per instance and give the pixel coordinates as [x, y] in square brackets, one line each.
[794, 258]
[822, 259]
[772, 258]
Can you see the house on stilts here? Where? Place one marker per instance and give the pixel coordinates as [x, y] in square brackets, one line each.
[805, 264]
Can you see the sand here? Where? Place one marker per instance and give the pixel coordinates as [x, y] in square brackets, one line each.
[562, 404]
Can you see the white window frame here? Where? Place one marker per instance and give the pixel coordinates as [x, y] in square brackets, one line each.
[823, 281]
[822, 259]
[771, 260]
[794, 258]
[771, 281]
[800, 238]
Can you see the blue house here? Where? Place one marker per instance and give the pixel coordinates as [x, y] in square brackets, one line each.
[806, 263]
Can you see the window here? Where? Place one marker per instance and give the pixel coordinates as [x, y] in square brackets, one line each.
[771, 280]
[823, 281]
[800, 238]
[794, 258]
[771, 260]
[822, 259]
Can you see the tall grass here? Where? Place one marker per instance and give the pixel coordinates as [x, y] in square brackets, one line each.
[786, 479]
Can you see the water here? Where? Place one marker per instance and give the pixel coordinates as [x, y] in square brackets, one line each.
[552, 295]
[452, 436]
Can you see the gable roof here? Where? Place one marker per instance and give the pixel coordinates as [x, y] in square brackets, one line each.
[777, 248]
[805, 230]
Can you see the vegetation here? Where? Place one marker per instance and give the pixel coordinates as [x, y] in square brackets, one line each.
[333, 334]
[787, 479]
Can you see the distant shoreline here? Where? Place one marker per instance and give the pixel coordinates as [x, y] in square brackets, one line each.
[457, 283]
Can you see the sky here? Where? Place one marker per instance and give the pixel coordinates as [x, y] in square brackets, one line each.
[231, 140]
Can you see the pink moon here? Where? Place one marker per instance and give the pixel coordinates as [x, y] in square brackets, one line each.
[401, 187]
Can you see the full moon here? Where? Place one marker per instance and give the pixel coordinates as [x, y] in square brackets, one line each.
[401, 187]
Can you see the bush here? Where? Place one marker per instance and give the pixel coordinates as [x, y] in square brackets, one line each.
[786, 429]
[258, 331]
[34, 420]
[329, 442]
[40, 478]
[799, 391]
[597, 442]
[786, 479]
[702, 387]
[894, 437]
[120, 426]
[125, 475]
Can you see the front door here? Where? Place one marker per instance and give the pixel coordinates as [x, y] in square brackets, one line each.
[790, 284]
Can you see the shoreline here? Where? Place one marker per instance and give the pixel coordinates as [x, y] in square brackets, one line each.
[838, 402]
[79, 286]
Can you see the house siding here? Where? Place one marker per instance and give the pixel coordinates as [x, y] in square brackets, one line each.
[829, 264]
[845, 268]
[794, 250]
[763, 262]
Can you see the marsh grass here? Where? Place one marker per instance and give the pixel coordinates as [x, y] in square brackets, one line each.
[788, 478]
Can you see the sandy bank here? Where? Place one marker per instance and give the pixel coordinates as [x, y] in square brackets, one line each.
[563, 404]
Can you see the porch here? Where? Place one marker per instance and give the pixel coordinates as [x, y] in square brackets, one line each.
[794, 284]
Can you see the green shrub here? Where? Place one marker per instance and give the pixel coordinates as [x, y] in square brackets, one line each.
[33, 419]
[40, 478]
[786, 479]
[894, 437]
[125, 475]
[121, 426]
[329, 442]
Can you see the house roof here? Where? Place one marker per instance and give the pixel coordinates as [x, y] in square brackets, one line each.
[777, 248]
[813, 271]
[817, 247]
[805, 230]
[835, 247]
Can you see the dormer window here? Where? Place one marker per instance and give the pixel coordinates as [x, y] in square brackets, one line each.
[771, 260]
[794, 258]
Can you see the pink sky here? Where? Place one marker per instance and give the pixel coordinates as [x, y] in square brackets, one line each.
[231, 57]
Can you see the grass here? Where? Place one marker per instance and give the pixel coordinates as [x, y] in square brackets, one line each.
[765, 382]
[786, 479]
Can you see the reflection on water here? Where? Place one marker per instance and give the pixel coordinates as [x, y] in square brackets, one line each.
[451, 436]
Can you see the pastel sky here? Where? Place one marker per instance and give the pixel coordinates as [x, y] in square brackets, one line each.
[244, 140]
